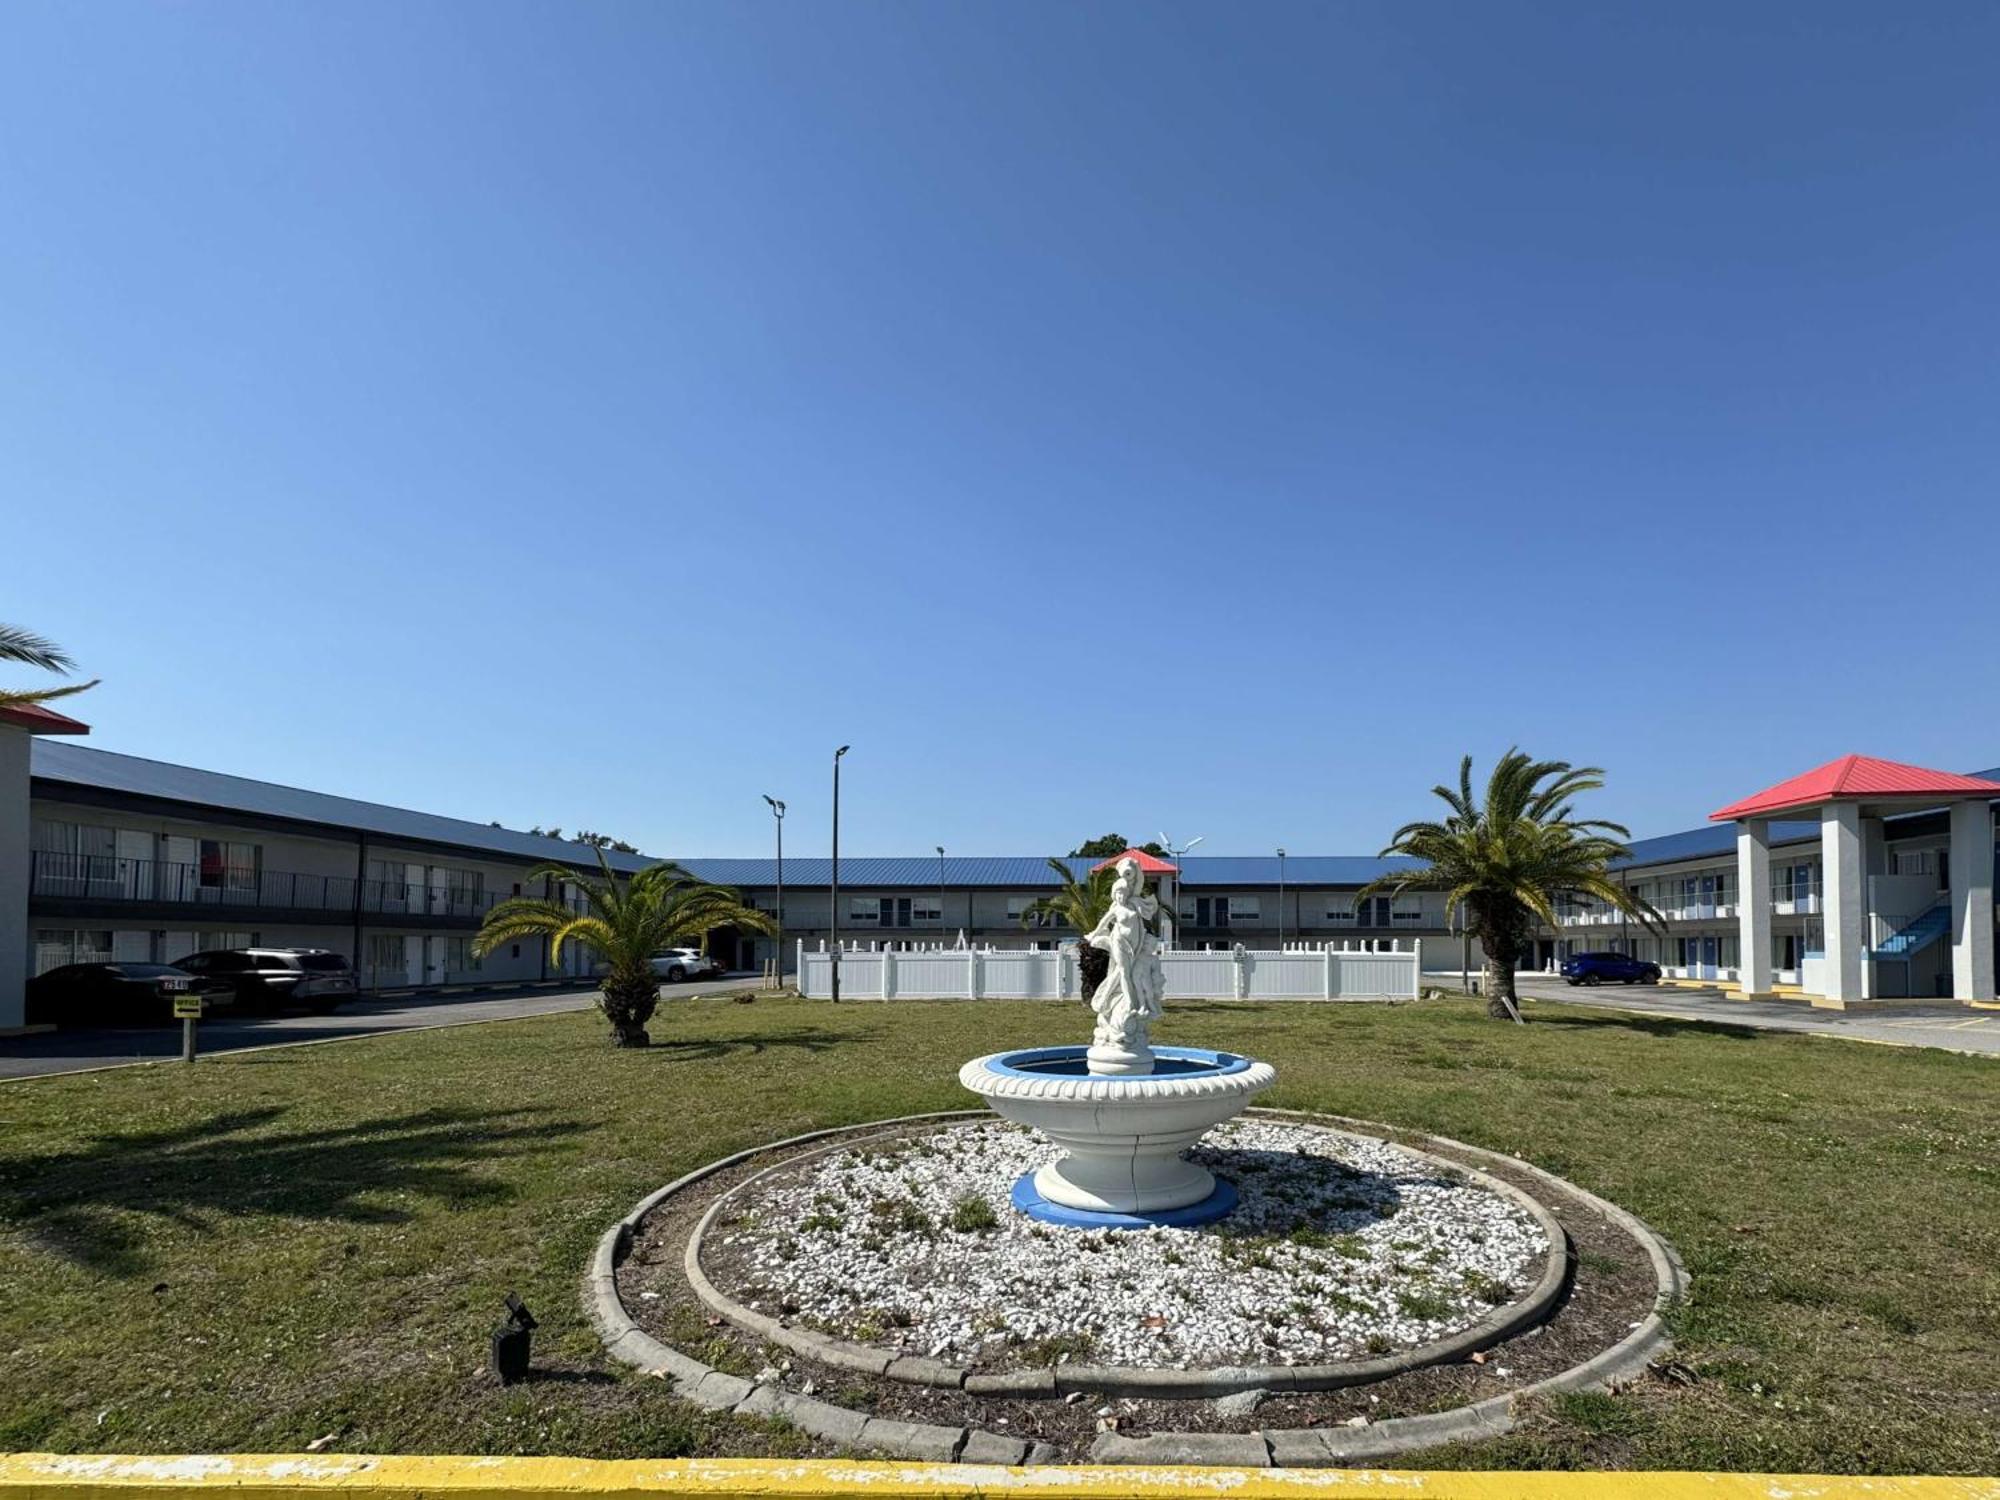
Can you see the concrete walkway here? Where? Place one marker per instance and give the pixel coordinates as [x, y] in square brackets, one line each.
[80, 1050]
[1918, 1024]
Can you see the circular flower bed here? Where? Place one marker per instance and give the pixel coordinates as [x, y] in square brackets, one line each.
[1341, 1247]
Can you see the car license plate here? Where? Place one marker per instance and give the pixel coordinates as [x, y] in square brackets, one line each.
[173, 986]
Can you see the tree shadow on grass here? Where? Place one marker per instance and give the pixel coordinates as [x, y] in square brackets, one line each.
[1661, 1026]
[805, 1039]
[88, 1204]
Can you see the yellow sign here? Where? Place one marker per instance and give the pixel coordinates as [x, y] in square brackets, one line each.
[187, 1007]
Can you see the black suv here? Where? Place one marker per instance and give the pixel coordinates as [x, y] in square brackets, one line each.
[316, 978]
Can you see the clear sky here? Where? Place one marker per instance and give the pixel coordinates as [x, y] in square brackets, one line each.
[1208, 418]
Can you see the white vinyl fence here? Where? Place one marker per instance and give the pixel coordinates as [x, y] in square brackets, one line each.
[1299, 972]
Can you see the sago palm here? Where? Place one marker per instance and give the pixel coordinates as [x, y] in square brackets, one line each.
[1079, 904]
[17, 644]
[1506, 862]
[624, 923]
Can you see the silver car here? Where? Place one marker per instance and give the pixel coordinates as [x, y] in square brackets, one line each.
[676, 964]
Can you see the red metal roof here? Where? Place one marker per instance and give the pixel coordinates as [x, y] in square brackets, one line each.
[1150, 864]
[38, 720]
[1856, 778]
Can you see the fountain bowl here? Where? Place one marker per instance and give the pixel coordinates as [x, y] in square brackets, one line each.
[1122, 1135]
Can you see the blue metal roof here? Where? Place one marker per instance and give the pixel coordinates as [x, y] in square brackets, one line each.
[908, 871]
[1015, 871]
[1707, 842]
[106, 770]
[1299, 869]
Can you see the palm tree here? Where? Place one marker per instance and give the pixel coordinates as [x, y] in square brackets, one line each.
[17, 644]
[1079, 905]
[624, 924]
[1505, 864]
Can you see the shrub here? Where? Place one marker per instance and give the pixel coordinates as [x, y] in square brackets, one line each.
[972, 1214]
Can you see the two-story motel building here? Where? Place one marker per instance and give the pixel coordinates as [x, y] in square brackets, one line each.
[110, 856]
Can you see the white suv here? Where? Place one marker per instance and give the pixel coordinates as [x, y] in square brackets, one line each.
[676, 964]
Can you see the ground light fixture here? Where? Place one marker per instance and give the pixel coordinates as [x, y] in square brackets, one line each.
[834, 883]
[511, 1342]
[778, 818]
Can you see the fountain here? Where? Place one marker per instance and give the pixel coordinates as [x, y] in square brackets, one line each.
[1122, 1110]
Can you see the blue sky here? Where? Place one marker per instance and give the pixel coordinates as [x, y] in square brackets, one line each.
[1109, 416]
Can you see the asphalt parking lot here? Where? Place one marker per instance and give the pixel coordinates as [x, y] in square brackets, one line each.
[85, 1048]
[1918, 1024]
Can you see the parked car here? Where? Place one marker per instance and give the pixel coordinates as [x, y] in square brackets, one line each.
[316, 978]
[1596, 968]
[92, 994]
[676, 964]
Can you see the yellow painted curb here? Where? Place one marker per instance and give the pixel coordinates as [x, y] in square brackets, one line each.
[44, 1476]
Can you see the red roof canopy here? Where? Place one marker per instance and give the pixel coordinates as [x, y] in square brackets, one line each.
[1856, 778]
[38, 720]
[1150, 864]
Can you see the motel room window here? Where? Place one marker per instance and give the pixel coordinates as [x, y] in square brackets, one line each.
[1018, 908]
[386, 958]
[864, 911]
[226, 866]
[1245, 908]
[927, 909]
[56, 946]
[1375, 911]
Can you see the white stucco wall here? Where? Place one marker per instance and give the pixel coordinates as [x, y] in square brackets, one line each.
[14, 774]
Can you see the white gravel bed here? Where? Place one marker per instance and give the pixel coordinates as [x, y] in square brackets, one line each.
[1340, 1248]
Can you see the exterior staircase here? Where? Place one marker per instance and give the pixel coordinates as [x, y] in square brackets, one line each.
[1915, 935]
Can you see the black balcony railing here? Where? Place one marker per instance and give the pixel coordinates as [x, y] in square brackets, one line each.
[104, 877]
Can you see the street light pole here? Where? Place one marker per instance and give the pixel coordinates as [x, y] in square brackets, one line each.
[940, 850]
[1281, 900]
[778, 817]
[834, 884]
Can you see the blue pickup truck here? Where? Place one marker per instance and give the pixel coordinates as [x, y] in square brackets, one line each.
[1596, 968]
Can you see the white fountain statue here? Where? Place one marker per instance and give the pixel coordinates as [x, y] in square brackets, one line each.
[1122, 1110]
[1128, 999]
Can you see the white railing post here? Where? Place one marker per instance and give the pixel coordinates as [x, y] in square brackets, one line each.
[889, 972]
[972, 973]
[1242, 958]
[1326, 978]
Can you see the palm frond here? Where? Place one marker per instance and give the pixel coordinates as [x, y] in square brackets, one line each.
[17, 643]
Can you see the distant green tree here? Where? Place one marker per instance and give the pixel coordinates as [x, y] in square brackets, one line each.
[604, 841]
[1110, 844]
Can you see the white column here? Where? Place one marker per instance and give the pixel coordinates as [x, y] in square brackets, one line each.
[1972, 900]
[14, 859]
[1846, 904]
[1753, 906]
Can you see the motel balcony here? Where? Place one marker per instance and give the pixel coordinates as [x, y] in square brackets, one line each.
[86, 885]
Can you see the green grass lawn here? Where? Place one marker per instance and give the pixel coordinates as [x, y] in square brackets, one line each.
[263, 1250]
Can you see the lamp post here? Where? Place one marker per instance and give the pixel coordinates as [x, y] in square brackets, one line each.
[834, 884]
[778, 818]
[940, 850]
[1281, 900]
